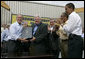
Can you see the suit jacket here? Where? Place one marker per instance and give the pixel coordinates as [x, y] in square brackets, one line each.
[39, 47]
[53, 39]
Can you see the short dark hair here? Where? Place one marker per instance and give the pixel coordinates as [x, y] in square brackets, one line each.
[70, 5]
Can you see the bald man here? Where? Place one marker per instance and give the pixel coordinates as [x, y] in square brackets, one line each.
[38, 43]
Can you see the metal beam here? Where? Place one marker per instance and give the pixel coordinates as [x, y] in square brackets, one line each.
[4, 5]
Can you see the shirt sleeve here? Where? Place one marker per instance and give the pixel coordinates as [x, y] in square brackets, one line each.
[70, 25]
[13, 33]
[2, 35]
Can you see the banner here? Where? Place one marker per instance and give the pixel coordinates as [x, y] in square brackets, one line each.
[30, 19]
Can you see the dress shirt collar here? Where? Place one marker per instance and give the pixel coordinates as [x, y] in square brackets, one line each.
[72, 12]
[52, 26]
[17, 23]
[38, 24]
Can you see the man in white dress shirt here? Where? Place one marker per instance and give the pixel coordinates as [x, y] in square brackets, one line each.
[5, 35]
[15, 43]
[74, 31]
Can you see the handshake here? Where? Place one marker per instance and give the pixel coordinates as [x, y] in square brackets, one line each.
[25, 40]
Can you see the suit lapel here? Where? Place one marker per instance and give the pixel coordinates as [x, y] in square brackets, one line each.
[38, 29]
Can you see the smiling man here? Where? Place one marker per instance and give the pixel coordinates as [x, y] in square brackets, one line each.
[15, 43]
[38, 43]
[73, 27]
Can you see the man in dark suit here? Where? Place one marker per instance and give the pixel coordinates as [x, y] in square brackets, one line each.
[53, 39]
[38, 42]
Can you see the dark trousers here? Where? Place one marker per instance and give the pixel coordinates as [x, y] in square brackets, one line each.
[55, 53]
[16, 48]
[4, 49]
[22, 48]
[75, 46]
[54, 46]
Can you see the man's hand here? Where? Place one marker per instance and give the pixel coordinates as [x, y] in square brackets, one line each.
[33, 39]
[49, 28]
[23, 40]
[62, 25]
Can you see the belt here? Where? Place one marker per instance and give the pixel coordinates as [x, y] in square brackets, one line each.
[11, 40]
[73, 35]
[4, 41]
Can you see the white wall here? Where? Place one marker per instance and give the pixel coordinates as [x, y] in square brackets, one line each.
[5, 16]
[28, 8]
[82, 18]
[33, 9]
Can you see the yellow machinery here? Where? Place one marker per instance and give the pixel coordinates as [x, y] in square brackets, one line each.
[29, 19]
